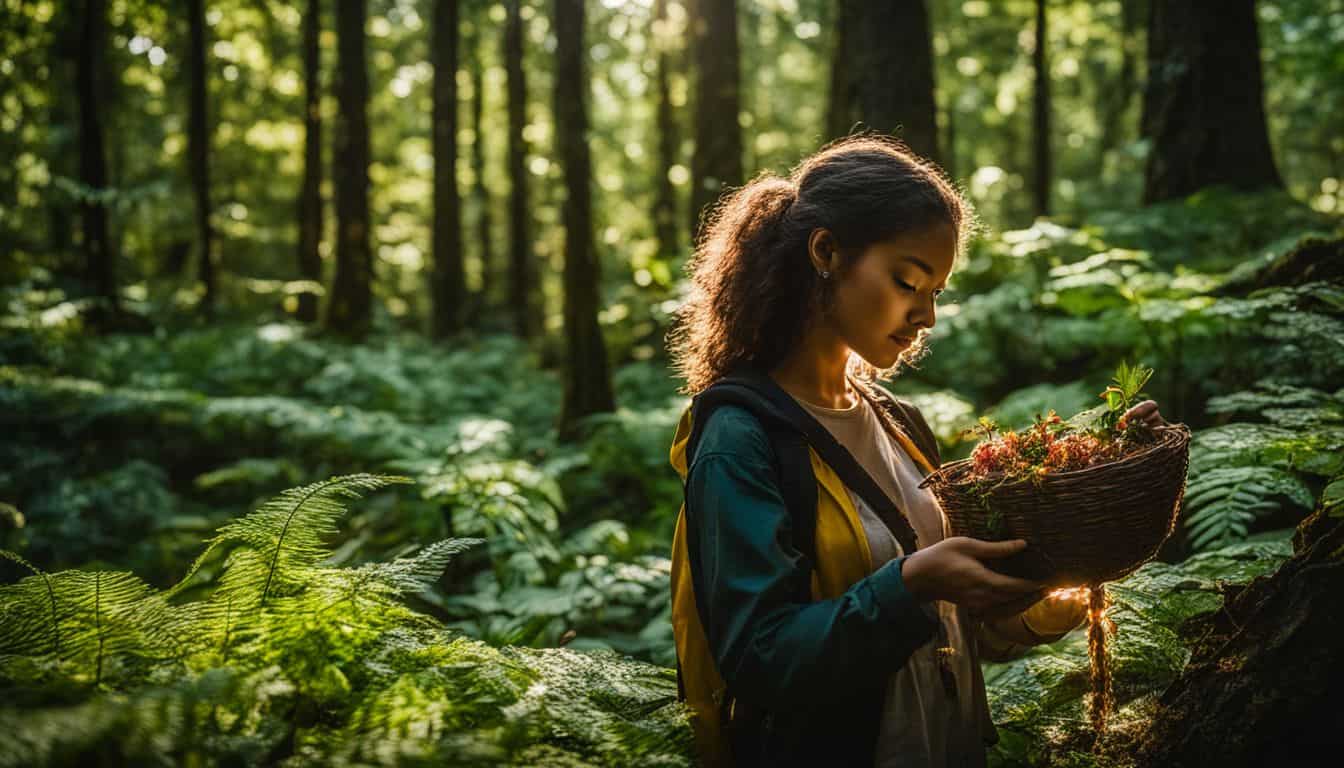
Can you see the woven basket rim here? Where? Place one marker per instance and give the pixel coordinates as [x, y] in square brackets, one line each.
[1171, 438]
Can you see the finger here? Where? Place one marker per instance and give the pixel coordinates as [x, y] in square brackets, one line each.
[1012, 587]
[991, 550]
[1142, 410]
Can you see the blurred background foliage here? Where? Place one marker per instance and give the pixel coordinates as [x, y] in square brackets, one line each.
[128, 443]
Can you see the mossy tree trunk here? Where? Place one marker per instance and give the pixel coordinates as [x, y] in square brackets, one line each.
[717, 161]
[350, 310]
[587, 388]
[310, 195]
[1203, 108]
[448, 289]
[1263, 684]
[882, 72]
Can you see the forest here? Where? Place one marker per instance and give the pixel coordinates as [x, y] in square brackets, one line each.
[335, 392]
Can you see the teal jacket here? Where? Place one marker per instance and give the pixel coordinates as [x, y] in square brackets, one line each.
[818, 670]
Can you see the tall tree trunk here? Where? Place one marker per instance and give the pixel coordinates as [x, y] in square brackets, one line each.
[198, 140]
[351, 308]
[61, 117]
[99, 255]
[1040, 113]
[1203, 108]
[310, 198]
[1117, 99]
[449, 290]
[481, 192]
[523, 272]
[717, 161]
[882, 72]
[587, 376]
[665, 219]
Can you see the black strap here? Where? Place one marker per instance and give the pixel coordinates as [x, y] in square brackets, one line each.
[782, 407]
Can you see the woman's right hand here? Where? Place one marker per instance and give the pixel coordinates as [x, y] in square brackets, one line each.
[954, 570]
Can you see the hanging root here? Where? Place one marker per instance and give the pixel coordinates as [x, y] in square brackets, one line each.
[1097, 630]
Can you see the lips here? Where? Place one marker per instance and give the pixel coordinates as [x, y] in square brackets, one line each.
[902, 339]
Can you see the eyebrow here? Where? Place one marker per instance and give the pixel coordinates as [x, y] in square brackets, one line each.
[918, 263]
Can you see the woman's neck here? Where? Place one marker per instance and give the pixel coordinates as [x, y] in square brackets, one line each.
[815, 372]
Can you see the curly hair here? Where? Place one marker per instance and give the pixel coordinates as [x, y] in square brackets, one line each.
[753, 291]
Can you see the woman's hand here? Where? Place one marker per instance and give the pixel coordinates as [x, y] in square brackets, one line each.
[954, 570]
[1145, 412]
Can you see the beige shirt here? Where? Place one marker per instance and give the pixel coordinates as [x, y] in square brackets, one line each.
[921, 724]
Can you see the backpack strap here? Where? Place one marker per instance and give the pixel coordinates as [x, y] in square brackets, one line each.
[780, 407]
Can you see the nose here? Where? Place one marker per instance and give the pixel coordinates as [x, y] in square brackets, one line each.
[924, 314]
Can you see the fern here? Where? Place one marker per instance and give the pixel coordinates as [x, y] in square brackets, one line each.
[284, 538]
[1222, 503]
[74, 622]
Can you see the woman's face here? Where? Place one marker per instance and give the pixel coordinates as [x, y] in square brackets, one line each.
[886, 297]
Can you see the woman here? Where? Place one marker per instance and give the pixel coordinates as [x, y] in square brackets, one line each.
[817, 285]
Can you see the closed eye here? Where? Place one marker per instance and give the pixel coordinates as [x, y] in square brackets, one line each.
[904, 285]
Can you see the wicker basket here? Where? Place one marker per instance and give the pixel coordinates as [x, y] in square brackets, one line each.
[1083, 527]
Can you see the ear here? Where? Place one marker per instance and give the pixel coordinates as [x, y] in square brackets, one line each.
[823, 251]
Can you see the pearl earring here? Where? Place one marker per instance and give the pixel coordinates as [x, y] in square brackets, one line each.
[825, 275]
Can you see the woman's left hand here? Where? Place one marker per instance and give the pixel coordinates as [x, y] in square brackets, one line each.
[1145, 412]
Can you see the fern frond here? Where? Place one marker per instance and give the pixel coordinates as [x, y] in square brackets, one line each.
[83, 619]
[1222, 503]
[289, 533]
[412, 575]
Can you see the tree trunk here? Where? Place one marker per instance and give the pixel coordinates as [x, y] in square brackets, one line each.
[587, 377]
[882, 72]
[665, 195]
[1040, 124]
[198, 140]
[99, 255]
[1263, 683]
[310, 198]
[62, 117]
[523, 272]
[351, 308]
[717, 161]
[1203, 108]
[449, 290]
[1117, 99]
[480, 191]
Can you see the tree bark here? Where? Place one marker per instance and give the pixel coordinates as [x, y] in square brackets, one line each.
[1040, 123]
[587, 387]
[1117, 99]
[310, 197]
[449, 290]
[665, 216]
[882, 73]
[481, 192]
[99, 255]
[1203, 109]
[1262, 685]
[717, 161]
[523, 272]
[198, 140]
[62, 151]
[350, 310]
